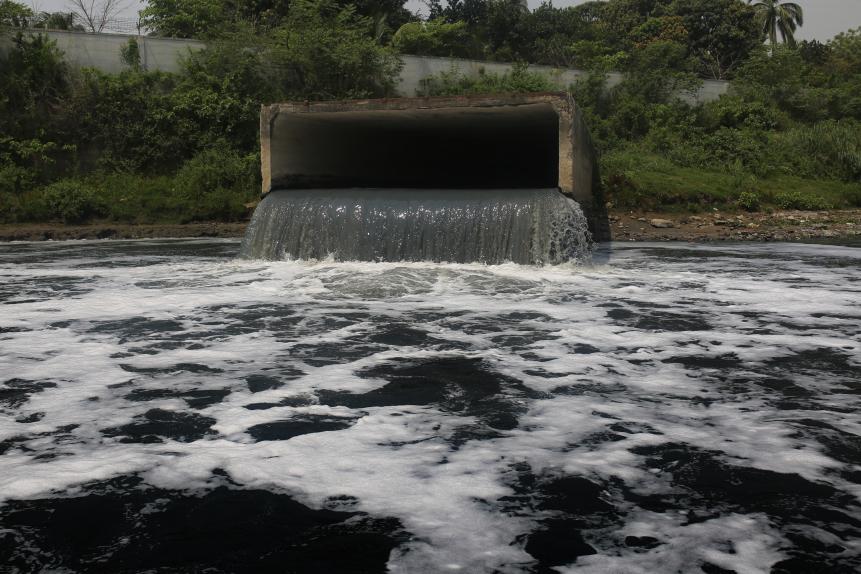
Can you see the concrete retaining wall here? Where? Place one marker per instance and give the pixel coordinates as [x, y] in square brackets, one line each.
[102, 51]
[416, 68]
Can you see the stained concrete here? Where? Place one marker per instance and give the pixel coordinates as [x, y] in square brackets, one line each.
[510, 141]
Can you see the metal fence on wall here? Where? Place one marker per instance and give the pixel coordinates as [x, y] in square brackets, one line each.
[71, 22]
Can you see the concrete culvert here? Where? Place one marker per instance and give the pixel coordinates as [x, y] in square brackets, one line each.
[415, 155]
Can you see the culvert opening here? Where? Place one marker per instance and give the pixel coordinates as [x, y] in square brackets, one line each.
[514, 146]
[491, 179]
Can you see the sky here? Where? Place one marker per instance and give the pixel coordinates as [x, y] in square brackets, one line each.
[822, 18]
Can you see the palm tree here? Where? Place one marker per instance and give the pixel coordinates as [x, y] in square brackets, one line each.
[779, 16]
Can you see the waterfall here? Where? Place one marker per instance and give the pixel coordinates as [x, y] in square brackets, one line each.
[527, 226]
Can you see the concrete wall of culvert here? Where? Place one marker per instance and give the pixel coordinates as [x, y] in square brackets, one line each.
[102, 51]
[525, 141]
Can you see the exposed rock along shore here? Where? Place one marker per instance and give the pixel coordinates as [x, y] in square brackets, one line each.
[718, 226]
[625, 226]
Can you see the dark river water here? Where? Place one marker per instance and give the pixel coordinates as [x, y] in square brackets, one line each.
[165, 407]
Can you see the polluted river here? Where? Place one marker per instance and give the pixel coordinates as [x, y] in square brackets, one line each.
[409, 369]
[169, 406]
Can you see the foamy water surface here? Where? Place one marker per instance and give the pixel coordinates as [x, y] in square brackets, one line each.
[669, 408]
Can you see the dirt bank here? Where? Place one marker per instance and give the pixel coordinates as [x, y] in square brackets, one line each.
[717, 226]
[44, 231]
[625, 226]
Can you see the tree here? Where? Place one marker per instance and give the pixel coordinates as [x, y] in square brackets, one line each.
[721, 34]
[435, 38]
[508, 31]
[779, 77]
[208, 19]
[320, 51]
[96, 16]
[33, 74]
[844, 65]
[327, 51]
[846, 50]
[14, 14]
[784, 17]
[388, 15]
[619, 18]
[473, 12]
[35, 86]
[554, 31]
[659, 71]
[814, 52]
[57, 21]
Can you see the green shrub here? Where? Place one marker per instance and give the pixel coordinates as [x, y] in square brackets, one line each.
[219, 205]
[455, 83]
[72, 201]
[853, 197]
[830, 148]
[133, 198]
[24, 207]
[328, 53]
[728, 147]
[217, 182]
[15, 179]
[733, 112]
[218, 168]
[749, 200]
[630, 120]
[621, 191]
[130, 54]
[435, 38]
[802, 201]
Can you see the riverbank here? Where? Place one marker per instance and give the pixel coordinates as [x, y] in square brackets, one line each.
[61, 232]
[791, 225]
[625, 226]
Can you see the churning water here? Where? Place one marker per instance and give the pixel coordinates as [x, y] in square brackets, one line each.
[529, 226]
[668, 408]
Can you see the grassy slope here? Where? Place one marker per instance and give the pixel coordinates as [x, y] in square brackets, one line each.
[639, 182]
[652, 183]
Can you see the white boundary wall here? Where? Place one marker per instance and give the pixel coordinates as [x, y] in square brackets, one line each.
[102, 51]
[417, 68]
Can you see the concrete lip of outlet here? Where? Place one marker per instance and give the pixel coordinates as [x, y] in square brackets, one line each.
[461, 142]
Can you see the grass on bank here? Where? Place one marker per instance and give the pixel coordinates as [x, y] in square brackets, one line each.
[123, 198]
[214, 185]
[631, 182]
[218, 183]
[638, 181]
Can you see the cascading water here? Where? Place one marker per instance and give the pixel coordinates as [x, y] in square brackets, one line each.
[526, 226]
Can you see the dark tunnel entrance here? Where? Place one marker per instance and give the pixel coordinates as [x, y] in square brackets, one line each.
[515, 146]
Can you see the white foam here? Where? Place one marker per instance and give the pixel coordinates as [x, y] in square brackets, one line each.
[399, 461]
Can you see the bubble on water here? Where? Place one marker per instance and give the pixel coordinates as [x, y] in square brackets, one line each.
[674, 407]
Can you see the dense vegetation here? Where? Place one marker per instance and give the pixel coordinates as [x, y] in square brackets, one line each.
[140, 146]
